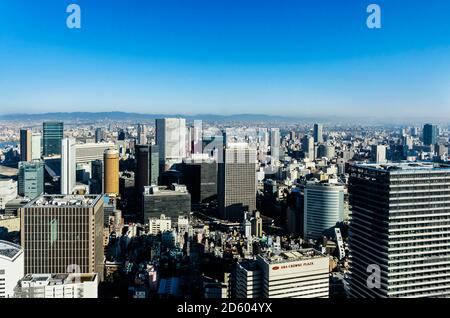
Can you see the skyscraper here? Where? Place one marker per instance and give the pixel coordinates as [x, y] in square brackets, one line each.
[171, 139]
[199, 174]
[430, 133]
[147, 166]
[275, 144]
[62, 234]
[36, 145]
[197, 137]
[318, 133]
[399, 243]
[53, 133]
[141, 134]
[308, 147]
[98, 135]
[25, 145]
[31, 179]
[378, 154]
[237, 182]
[111, 174]
[323, 208]
[68, 165]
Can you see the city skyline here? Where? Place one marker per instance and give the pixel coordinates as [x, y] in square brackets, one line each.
[226, 58]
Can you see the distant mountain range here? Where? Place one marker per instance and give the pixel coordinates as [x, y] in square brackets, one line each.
[124, 116]
[91, 117]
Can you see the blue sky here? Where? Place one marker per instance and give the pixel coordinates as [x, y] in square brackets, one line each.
[299, 57]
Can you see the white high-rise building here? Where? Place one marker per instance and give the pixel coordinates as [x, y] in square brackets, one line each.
[171, 139]
[295, 274]
[378, 154]
[237, 183]
[300, 273]
[197, 137]
[68, 165]
[142, 134]
[36, 146]
[323, 208]
[11, 268]
[275, 144]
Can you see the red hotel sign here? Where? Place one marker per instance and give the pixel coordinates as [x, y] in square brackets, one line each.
[292, 266]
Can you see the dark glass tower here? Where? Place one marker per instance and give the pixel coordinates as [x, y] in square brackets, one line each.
[200, 178]
[147, 169]
[429, 134]
[53, 133]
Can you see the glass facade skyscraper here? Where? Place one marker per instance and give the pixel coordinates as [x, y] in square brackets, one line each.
[53, 133]
[430, 133]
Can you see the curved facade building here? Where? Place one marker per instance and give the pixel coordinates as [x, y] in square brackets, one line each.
[111, 172]
[324, 207]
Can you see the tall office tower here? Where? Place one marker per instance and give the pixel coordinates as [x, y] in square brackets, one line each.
[36, 144]
[408, 142]
[398, 229]
[147, 166]
[378, 154]
[31, 179]
[171, 139]
[11, 268]
[323, 208]
[275, 144]
[96, 182]
[326, 151]
[197, 137]
[142, 134]
[199, 174]
[53, 133]
[170, 202]
[25, 145]
[318, 133]
[237, 182]
[68, 165]
[98, 135]
[308, 147]
[111, 173]
[430, 134]
[63, 234]
[147, 170]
